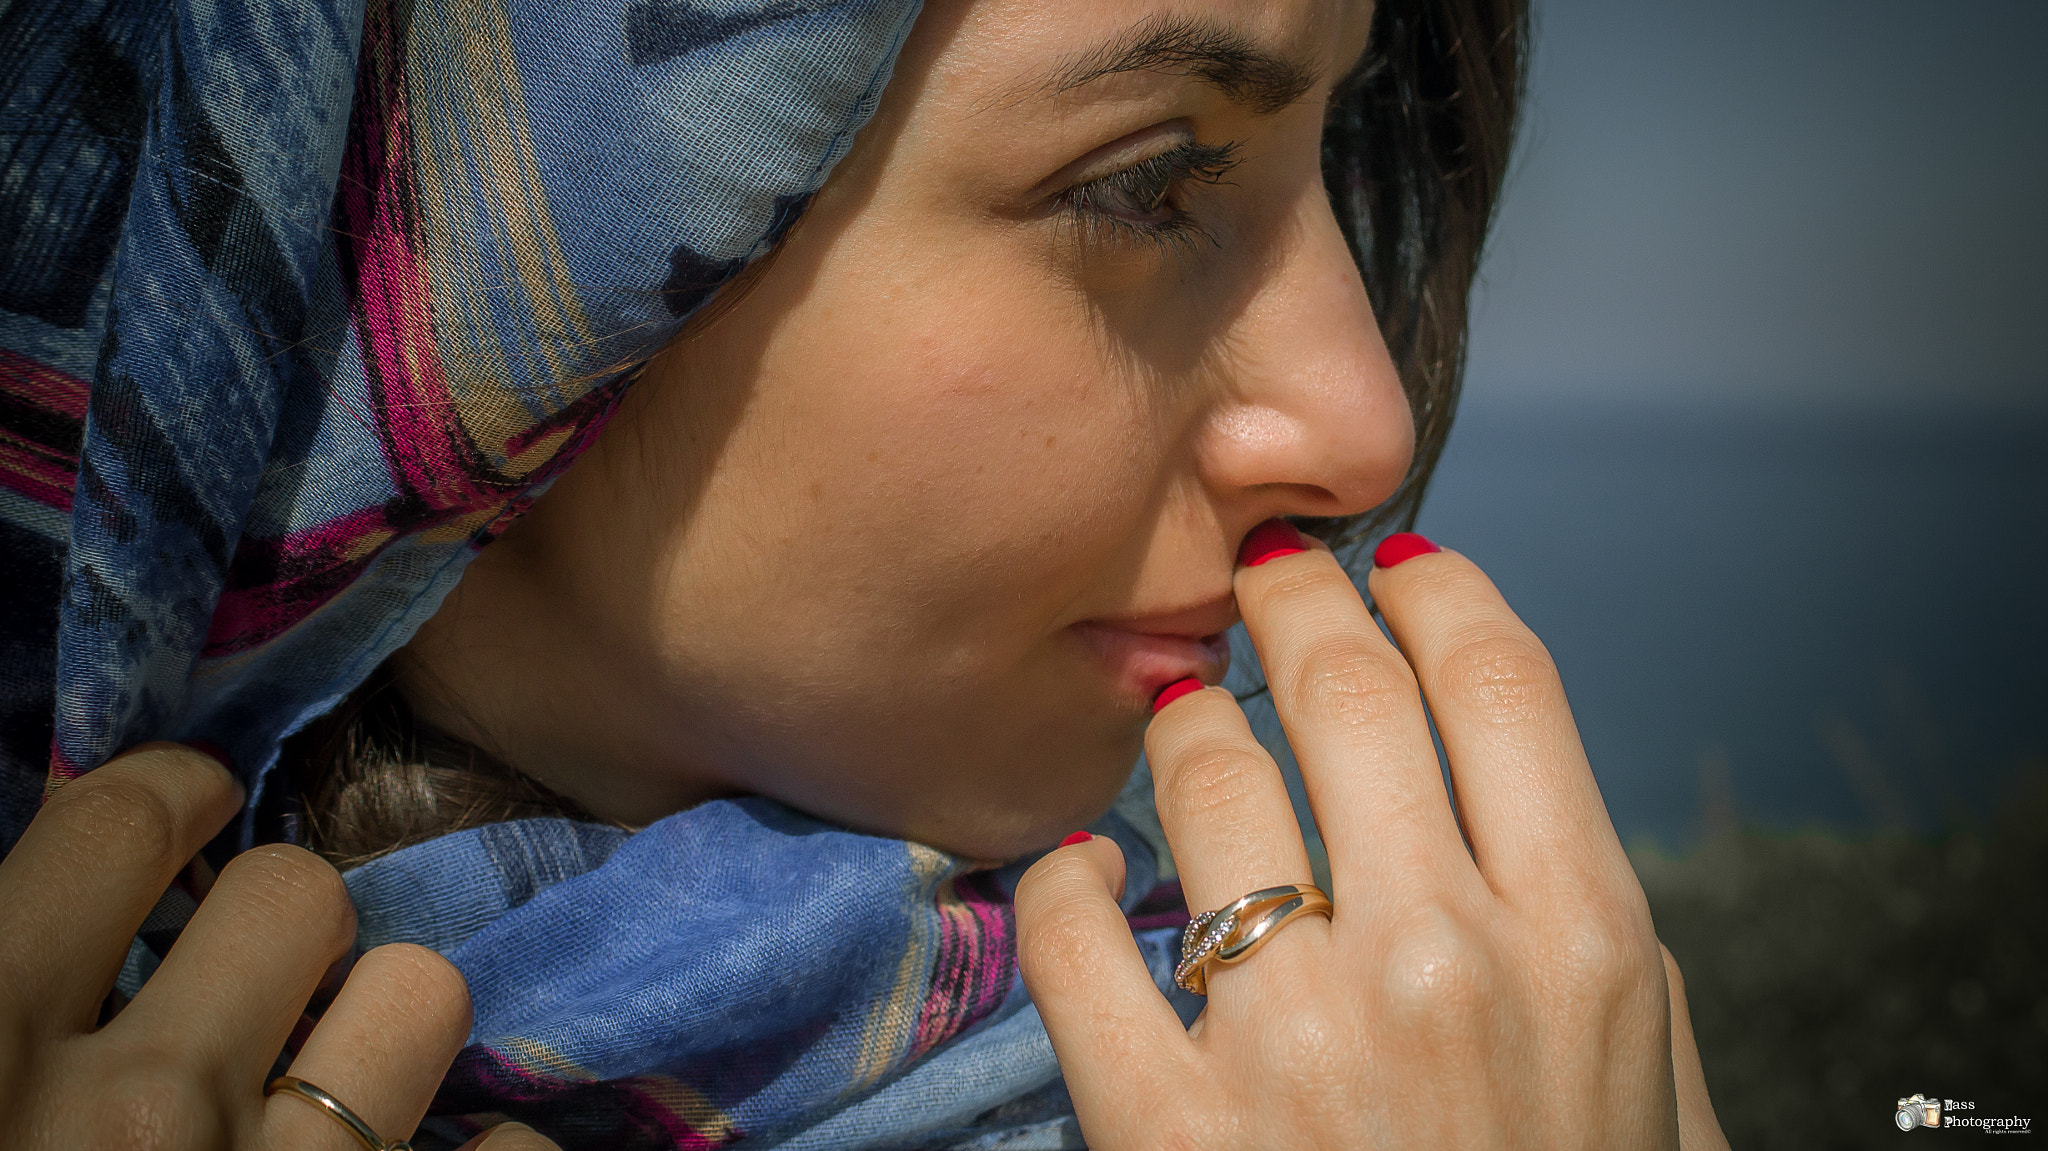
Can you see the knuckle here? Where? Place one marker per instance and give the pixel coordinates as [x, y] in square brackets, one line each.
[1592, 958]
[1292, 581]
[428, 982]
[1061, 928]
[1352, 681]
[1604, 960]
[1060, 952]
[1512, 675]
[119, 816]
[178, 759]
[1440, 972]
[292, 878]
[1211, 781]
[1052, 892]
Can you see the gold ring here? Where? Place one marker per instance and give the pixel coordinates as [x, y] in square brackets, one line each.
[1232, 932]
[335, 1110]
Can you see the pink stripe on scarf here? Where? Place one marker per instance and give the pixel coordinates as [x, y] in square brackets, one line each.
[976, 956]
[33, 473]
[32, 466]
[306, 569]
[440, 472]
[501, 1080]
[43, 385]
[394, 312]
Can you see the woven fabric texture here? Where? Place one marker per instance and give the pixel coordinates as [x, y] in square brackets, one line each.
[302, 302]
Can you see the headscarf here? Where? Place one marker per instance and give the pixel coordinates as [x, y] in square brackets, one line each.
[302, 302]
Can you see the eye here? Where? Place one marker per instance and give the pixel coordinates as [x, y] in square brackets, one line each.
[1143, 200]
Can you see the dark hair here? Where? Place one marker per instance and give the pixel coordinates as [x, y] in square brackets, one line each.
[1415, 150]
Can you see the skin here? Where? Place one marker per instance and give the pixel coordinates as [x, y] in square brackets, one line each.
[834, 546]
[183, 1065]
[883, 539]
[1512, 994]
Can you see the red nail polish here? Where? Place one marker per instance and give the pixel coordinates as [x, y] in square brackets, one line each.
[1174, 691]
[1400, 548]
[1269, 541]
[1077, 837]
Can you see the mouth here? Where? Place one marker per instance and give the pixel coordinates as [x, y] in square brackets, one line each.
[1142, 654]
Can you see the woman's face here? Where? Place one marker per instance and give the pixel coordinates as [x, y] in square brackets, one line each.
[909, 535]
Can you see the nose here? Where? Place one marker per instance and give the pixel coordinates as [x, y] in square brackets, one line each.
[1315, 422]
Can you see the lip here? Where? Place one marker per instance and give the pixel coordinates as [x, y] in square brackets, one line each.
[1144, 653]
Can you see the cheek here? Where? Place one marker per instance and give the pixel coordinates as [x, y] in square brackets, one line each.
[986, 433]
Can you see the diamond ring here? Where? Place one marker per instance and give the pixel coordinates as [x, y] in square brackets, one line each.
[1232, 932]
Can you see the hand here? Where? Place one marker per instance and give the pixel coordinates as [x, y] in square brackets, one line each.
[183, 1066]
[1514, 994]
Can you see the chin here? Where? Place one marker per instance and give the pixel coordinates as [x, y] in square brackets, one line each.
[1002, 821]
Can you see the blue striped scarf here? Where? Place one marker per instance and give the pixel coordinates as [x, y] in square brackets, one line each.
[302, 302]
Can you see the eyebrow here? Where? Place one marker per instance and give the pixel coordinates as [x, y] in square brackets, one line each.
[1215, 54]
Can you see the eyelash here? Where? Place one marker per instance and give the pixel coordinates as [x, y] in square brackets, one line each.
[1098, 208]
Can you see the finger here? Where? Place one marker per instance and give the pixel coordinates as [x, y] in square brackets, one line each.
[239, 976]
[1116, 1037]
[91, 865]
[1354, 717]
[382, 1048]
[510, 1137]
[1222, 801]
[1698, 1129]
[1526, 793]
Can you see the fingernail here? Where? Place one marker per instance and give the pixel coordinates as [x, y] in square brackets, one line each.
[1269, 541]
[1400, 548]
[1077, 837]
[1174, 691]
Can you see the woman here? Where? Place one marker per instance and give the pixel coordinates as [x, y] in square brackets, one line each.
[979, 447]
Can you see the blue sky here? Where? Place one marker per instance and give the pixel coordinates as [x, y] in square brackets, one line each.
[1800, 203]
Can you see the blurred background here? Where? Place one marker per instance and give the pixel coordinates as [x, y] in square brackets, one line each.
[1755, 432]
[1755, 436]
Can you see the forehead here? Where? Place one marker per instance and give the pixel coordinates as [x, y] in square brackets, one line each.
[1077, 50]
